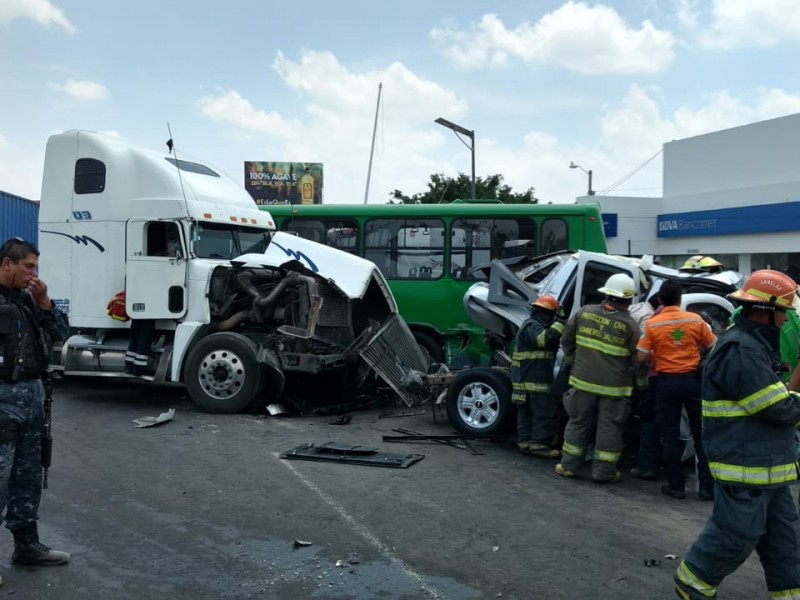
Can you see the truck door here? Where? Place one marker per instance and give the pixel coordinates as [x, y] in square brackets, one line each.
[156, 269]
[593, 271]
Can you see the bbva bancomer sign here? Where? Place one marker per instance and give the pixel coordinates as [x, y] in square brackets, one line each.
[764, 218]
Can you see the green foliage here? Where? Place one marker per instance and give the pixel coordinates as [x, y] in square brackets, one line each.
[442, 190]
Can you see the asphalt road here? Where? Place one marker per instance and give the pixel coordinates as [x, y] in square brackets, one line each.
[203, 507]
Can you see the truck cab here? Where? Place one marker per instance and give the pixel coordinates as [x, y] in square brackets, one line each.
[240, 311]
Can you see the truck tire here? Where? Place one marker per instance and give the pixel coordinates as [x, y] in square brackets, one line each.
[222, 374]
[430, 344]
[479, 401]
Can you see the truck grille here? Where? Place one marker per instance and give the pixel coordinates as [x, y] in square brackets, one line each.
[395, 355]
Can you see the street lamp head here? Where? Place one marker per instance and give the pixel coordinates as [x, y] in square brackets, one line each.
[572, 165]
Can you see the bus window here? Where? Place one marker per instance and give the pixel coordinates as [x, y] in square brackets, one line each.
[478, 241]
[339, 233]
[554, 236]
[406, 248]
[343, 235]
[310, 229]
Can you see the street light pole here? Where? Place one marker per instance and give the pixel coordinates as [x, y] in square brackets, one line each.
[470, 133]
[572, 165]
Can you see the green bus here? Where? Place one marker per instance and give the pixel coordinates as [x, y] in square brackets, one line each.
[427, 251]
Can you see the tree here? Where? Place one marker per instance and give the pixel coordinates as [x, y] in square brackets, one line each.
[443, 189]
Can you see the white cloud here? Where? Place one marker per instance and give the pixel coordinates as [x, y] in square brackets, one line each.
[337, 125]
[40, 11]
[686, 12]
[336, 108]
[82, 90]
[739, 23]
[586, 39]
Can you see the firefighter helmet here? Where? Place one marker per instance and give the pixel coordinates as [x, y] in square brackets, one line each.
[619, 285]
[768, 288]
[546, 302]
[701, 264]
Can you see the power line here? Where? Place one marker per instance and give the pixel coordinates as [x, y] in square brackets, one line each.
[625, 178]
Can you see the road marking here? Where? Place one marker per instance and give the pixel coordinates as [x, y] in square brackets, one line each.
[365, 533]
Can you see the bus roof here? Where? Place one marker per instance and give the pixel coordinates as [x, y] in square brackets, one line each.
[459, 209]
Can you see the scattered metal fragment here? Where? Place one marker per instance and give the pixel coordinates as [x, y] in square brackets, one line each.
[671, 556]
[457, 441]
[392, 415]
[339, 563]
[150, 421]
[652, 562]
[275, 410]
[351, 454]
[300, 543]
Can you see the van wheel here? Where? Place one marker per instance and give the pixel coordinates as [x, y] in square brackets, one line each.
[479, 401]
[222, 374]
[429, 343]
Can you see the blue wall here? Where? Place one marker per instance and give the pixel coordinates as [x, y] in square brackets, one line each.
[18, 217]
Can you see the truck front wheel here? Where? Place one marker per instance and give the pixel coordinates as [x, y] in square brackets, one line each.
[222, 374]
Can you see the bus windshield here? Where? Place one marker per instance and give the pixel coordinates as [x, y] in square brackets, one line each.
[215, 240]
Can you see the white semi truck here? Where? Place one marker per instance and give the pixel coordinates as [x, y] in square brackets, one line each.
[242, 313]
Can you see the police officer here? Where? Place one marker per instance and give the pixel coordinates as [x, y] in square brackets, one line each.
[749, 419]
[29, 323]
[599, 342]
[531, 376]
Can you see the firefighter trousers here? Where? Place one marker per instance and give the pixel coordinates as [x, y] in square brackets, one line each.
[597, 418]
[746, 519]
[537, 419]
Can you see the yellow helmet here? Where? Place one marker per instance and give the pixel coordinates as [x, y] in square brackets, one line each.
[701, 264]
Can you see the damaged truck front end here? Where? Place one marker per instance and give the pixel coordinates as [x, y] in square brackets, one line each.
[303, 324]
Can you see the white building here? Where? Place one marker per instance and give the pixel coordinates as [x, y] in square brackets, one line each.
[732, 194]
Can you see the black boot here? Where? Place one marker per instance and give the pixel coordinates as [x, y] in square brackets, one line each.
[28, 550]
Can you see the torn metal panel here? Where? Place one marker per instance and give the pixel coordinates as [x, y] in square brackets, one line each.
[352, 455]
[394, 354]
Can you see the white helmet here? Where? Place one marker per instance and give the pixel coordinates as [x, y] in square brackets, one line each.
[619, 285]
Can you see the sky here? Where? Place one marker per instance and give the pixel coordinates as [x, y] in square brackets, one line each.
[542, 84]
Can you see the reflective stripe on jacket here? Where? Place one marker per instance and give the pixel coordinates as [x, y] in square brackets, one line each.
[600, 342]
[749, 416]
[534, 355]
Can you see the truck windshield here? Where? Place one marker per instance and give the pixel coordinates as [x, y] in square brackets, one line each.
[214, 240]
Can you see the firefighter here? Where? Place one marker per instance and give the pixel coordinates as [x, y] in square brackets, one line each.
[532, 374]
[599, 343]
[749, 420]
[702, 264]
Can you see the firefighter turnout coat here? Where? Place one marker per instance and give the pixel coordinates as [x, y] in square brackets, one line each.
[749, 416]
[607, 338]
[534, 356]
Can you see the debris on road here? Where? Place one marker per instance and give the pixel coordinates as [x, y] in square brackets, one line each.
[671, 556]
[352, 454]
[652, 562]
[300, 543]
[275, 410]
[151, 421]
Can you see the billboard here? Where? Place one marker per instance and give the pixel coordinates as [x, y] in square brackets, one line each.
[283, 182]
